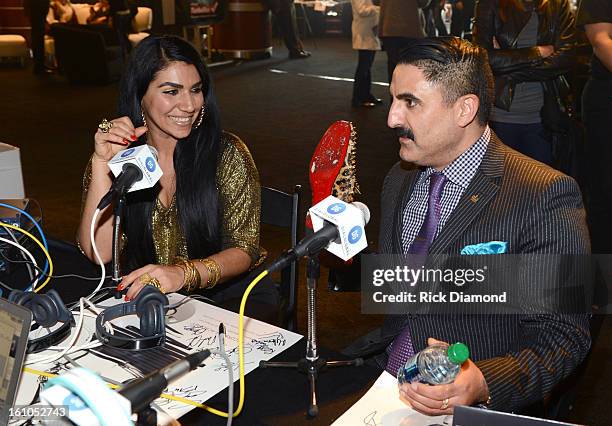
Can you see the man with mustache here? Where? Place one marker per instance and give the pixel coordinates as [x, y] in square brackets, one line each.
[470, 188]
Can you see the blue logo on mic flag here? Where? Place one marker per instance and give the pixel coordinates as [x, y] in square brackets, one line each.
[355, 234]
[74, 403]
[150, 164]
[128, 152]
[336, 208]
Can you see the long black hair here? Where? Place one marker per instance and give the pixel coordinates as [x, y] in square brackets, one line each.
[195, 157]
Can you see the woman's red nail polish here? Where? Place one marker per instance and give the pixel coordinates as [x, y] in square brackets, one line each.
[125, 142]
[127, 299]
[134, 137]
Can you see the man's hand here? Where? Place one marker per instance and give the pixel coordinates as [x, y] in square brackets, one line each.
[468, 388]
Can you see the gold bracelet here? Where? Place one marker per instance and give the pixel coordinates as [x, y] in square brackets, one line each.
[191, 275]
[194, 278]
[184, 269]
[214, 272]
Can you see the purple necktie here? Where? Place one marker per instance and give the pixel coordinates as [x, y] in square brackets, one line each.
[402, 348]
[427, 233]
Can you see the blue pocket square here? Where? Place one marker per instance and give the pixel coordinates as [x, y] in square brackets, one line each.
[492, 247]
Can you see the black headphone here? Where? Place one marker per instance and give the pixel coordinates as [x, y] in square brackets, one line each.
[47, 309]
[151, 306]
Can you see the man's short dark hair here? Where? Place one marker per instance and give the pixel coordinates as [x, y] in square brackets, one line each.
[457, 66]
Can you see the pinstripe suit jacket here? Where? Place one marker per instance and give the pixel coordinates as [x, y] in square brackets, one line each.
[536, 210]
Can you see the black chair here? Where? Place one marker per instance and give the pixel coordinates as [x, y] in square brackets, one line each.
[87, 53]
[281, 209]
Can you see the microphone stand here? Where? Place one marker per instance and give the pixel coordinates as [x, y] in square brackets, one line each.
[118, 214]
[312, 364]
[146, 417]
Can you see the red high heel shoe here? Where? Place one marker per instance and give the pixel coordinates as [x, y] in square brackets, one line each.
[333, 168]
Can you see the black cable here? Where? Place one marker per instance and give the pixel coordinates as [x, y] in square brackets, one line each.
[6, 286]
[39, 269]
[74, 304]
[2, 284]
[23, 255]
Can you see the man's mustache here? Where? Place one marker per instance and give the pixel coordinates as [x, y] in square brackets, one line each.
[403, 132]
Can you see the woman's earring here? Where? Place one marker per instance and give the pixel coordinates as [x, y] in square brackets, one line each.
[144, 120]
[199, 122]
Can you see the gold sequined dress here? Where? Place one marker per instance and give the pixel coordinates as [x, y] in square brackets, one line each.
[239, 200]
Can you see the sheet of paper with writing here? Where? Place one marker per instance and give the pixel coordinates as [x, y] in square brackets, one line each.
[381, 406]
[193, 326]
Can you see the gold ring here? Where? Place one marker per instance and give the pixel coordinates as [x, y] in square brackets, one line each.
[155, 283]
[105, 125]
[145, 278]
[444, 404]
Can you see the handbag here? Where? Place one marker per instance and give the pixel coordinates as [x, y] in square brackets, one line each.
[564, 131]
[558, 108]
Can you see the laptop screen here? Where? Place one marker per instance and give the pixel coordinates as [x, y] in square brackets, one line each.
[14, 328]
[470, 416]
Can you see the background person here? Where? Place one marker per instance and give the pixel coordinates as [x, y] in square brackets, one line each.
[365, 41]
[531, 46]
[99, 13]
[400, 22]
[61, 11]
[37, 10]
[284, 11]
[595, 16]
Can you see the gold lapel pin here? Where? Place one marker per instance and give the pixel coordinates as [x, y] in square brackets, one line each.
[474, 198]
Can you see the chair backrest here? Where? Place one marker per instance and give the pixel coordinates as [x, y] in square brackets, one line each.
[85, 53]
[282, 210]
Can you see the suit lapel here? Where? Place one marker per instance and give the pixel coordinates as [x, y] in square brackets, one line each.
[398, 223]
[477, 196]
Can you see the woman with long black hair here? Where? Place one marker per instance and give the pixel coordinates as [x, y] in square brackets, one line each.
[199, 225]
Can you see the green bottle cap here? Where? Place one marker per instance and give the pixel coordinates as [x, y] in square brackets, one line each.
[458, 353]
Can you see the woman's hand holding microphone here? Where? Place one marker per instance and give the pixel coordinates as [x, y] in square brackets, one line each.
[113, 136]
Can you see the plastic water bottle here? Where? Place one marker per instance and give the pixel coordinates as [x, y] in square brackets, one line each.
[437, 364]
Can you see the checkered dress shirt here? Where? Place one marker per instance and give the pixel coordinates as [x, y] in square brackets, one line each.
[459, 174]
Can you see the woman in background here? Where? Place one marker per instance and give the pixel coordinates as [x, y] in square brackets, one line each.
[530, 45]
[61, 11]
[365, 41]
[99, 13]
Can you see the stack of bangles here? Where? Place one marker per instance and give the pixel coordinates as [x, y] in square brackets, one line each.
[192, 280]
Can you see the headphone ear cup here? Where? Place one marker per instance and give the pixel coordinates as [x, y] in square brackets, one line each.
[148, 321]
[21, 298]
[52, 309]
[44, 309]
[150, 304]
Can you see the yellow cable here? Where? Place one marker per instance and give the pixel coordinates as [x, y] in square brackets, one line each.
[240, 358]
[241, 338]
[112, 386]
[42, 247]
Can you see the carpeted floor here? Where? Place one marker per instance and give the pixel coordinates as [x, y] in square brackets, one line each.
[280, 108]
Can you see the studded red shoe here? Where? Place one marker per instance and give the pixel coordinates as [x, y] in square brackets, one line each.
[333, 168]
